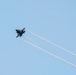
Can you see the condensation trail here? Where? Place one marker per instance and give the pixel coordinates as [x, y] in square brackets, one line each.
[28, 38]
[50, 53]
[52, 43]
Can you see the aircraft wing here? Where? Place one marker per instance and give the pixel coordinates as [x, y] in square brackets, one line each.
[17, 36]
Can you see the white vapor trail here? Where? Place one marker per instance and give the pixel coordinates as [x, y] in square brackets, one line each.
[52, 43]
[50, 53]
[28, 38]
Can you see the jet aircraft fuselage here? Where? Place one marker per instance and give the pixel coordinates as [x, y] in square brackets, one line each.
[20, 32]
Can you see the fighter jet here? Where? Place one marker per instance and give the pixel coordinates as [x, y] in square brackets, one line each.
[20, 32]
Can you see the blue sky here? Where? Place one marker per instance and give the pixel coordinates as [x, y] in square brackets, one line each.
[53, 19]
